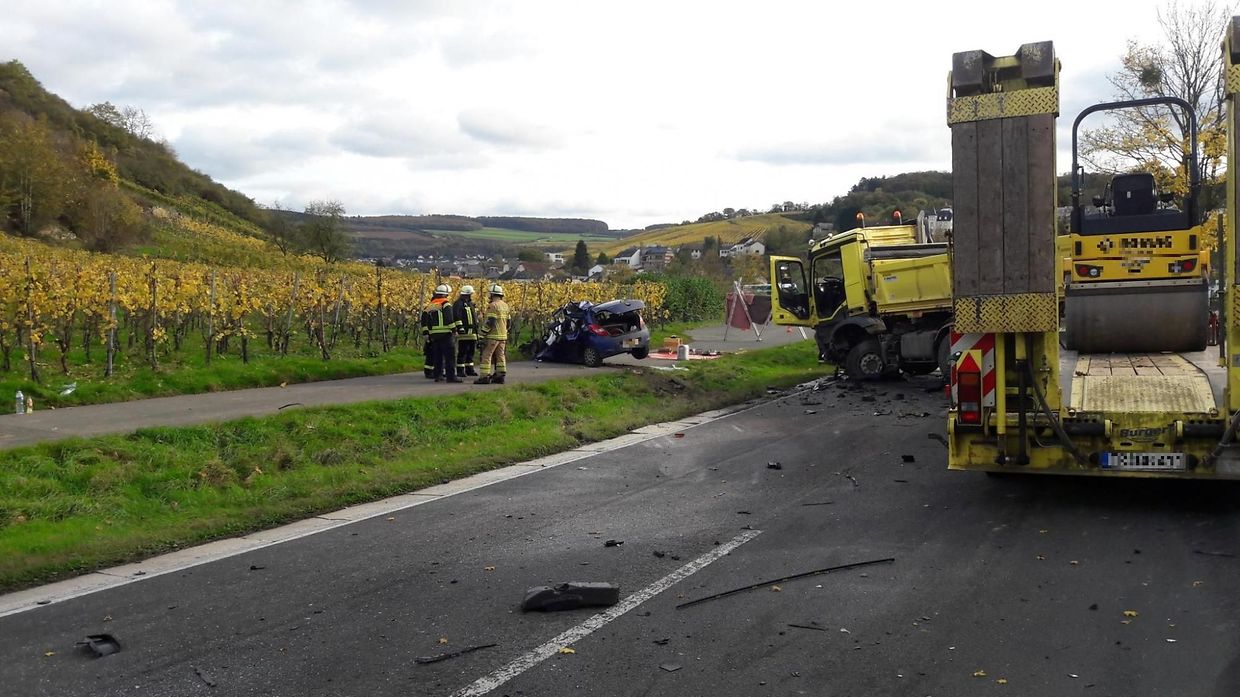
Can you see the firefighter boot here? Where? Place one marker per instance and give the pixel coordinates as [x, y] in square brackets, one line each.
[484, 380]
[428, 373]
[460, 371]
[471, 372]
[498, 379]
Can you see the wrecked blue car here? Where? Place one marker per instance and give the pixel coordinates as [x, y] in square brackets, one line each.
[582, 332]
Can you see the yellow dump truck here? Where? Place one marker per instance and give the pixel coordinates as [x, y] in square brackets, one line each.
[878, 298]
[1020, 402]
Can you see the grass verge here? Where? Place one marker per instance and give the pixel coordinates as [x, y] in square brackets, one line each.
[74, 506]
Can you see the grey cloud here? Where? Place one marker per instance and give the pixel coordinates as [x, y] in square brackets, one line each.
[425, 144]
[500, 128]
[902, 145]
[228, 155]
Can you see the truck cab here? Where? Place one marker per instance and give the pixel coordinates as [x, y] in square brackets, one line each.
[878, 298]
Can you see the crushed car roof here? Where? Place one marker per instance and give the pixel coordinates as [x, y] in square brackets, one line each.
[619, 306]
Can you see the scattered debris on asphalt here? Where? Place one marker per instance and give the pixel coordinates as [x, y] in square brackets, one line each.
[660, 554]
[290, 404]
[811, 411]
[774, 466]
[678, 435]
[849, 477]
[818, 503]
[203, 676]
[806, 626]
[939, 437]
[256, 567]
[908, 458]
[1208, 553]
[613, 543]
[670, 667]
[774, 582]
[570, 596]
[100, 644]
[452, 654]
[567, 649]
[663, 641]
[900, 481]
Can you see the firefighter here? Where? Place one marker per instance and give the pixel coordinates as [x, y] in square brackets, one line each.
[493, 330]
[467, 339]
[438, 326]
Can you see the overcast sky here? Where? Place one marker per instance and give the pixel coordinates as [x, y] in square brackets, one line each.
[634, 112]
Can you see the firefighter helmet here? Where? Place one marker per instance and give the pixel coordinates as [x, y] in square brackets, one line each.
[443, 289]
[497, 289]
[467, 290]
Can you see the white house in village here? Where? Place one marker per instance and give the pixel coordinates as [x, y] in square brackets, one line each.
[748, 245]
[632, 257]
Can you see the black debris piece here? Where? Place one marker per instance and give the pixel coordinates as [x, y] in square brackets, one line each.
[256, 567]
[772, 582]
[613, 543]
[659, 554]
[806, 626]
[811, 411]
[663, 641]
[676, 557]
[908, 458]
[809, 403]
[743, 513]
[900, 481]
[1206, 553]
[452, 654]
[939, 437]
[204, 676]
[1094, 606]
[290, 404]
[818, 503]
[774, 466]
[570, 596]
[670, 667]
[100, 644]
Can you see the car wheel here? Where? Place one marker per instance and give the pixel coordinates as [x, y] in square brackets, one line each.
[591, 357]
[641, 352]
[864, 361]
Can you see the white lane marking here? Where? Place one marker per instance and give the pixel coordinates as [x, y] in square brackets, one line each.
[485, 684]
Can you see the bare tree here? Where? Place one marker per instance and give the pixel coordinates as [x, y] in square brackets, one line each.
[323, 231]
[1185, 65]
[284, 234]
[128, 118]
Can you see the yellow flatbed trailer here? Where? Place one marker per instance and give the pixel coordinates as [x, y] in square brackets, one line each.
[1020, 402]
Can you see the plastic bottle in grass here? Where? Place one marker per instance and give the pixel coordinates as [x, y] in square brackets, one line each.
[21, 403]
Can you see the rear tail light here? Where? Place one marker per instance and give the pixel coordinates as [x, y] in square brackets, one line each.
[598, 330]
[1088, 271]
[969, 396]
[1184, 266]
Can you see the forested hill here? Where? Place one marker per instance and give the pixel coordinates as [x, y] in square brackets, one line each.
[139, 161]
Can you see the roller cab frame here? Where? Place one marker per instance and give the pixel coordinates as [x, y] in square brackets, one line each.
[1136, 272]
[878, 298]
[1019, 401]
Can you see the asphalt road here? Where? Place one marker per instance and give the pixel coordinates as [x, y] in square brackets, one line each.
[1012, 586]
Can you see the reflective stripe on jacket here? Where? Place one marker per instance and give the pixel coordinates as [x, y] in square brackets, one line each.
[495, 322]
[438, 318]
[463, 310]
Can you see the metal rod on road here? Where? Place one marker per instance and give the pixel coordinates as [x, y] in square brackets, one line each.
[816, 572]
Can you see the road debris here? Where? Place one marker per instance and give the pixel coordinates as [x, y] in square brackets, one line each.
[979, 673]
[570, 596]
[939, 437]
[806, 626]
[849, 477]
[204, 676]
[818, 503]
[256, 567]
[1130, 613]
[1208, 553]
[100, 644]
[567, 650]
[670, 667]
[613, 543]
[452, 654]
[660, 554]
[774, 465]
[290, 404]
[663, 641]
[908, 458]
[774, 582]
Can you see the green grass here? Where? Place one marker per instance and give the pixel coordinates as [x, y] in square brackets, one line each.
[187, 372]
[74, 506]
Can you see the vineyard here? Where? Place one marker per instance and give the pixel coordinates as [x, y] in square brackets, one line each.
[62, 305]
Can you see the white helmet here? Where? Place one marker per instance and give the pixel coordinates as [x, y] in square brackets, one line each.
[443, 289]
[497, 289]
[467, 290]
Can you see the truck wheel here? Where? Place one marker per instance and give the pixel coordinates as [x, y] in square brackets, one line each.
[865, 361]
[591, 357]
[944, 355]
